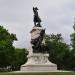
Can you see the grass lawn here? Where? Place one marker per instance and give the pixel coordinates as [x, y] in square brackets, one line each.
[51, 73]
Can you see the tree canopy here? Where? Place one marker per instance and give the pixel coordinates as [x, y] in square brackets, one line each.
[9, 55]
[58, 50]
[6, 46]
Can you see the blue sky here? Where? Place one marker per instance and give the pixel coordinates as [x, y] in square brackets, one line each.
[17, 17]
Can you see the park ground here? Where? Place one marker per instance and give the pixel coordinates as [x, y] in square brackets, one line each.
[48, 73]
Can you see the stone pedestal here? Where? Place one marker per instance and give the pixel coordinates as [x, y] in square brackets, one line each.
[38, 63]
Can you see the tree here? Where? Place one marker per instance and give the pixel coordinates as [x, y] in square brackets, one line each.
[72, 58]
[58, 51]
[6, 47]
[9, 55]
[20, 57]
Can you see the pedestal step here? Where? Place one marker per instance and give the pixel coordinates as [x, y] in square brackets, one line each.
[39, 68]
[37, 63]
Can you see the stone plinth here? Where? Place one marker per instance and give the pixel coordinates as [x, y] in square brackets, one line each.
[38, 63]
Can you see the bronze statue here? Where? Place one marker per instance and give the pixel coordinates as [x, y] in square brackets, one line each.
[37, 19]
[37, 42]
[38, 46]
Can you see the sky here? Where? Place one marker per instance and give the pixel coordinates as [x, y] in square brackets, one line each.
[17, 17]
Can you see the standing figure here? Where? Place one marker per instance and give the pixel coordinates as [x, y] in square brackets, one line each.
[37, 19]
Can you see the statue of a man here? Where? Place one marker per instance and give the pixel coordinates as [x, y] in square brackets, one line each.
[37, 20]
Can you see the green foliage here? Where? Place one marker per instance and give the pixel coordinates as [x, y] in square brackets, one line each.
[61, 53]
[72, 59]
[9, 55]
[56, 37]
[58, 50]
[20, 57]
[6, 47]
[73, 40]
